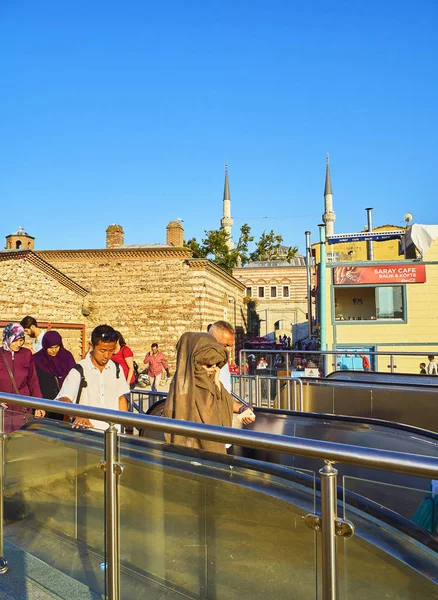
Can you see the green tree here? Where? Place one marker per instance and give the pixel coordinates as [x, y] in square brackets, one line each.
[215, 246]
[270, 247]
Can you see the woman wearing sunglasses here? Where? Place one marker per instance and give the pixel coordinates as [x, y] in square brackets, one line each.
[17, 376]
[196, 394]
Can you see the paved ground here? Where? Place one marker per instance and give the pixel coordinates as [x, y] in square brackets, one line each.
[29, 578]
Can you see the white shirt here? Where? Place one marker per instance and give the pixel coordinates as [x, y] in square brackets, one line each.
[432, 368]
[225, 377]
[103, 388]
[37, 343]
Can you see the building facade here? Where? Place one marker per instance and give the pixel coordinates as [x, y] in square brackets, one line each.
[279, 291]
[383, 306]
[151, 293]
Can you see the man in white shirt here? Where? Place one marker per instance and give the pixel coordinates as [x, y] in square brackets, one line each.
[432, 367]
[36, 334]
[105, 385]
[223, 332]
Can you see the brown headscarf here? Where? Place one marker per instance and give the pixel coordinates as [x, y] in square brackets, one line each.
[193, 395]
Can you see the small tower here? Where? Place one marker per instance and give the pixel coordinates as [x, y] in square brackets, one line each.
[115, 236]
[20, 240]
[227, 221]
[329, 217]
[175, 234]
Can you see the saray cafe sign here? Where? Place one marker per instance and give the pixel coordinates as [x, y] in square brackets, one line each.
[379, 274]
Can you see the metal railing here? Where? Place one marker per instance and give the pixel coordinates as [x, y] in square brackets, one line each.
[321, 359]
[329, 452]
[142, 400]
[251, 388]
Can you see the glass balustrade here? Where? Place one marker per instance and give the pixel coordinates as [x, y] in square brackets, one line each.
[199, 525]
[53, 496]
[404, 563]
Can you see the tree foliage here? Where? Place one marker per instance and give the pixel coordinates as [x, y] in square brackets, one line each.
[270, 247]
[215, 247]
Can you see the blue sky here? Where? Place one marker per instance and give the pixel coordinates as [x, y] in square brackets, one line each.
[127, 112]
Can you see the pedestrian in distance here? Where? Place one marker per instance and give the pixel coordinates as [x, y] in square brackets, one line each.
[423, 369]
[157, 363]
[124, 356]
[365, 362]
[432, 367]
[17, 376]
[35, 333]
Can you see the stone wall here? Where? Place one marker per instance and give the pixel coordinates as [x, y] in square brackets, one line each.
[150, 299]
[26, 290]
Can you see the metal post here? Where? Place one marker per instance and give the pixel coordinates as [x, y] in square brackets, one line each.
[112, 471]
[322, 292]
[3, 562]
[257, 390]
[328, 519]
[370, 253]
[309, 285]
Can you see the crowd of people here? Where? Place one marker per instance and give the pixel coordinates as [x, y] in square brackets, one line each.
[200, 390]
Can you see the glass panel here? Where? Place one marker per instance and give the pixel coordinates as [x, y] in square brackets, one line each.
[389, 302]
[391, 539]
[205, 528]
[54, 507]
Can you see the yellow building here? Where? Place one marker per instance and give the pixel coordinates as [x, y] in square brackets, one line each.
[354, 250]
[383, 305]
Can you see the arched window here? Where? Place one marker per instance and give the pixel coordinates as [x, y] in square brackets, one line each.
[18, 244]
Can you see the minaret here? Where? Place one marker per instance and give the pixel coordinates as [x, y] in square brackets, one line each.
[329, 216]
[227, 221]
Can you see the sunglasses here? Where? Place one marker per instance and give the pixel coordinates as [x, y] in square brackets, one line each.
[109, 337]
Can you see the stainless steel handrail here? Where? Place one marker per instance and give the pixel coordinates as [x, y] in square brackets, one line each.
[399, 462]
[330, 452]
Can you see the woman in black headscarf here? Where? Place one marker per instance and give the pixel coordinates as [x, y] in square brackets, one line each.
[196, 393]
[53, 363]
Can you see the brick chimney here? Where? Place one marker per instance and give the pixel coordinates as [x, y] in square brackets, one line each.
[175, 234]
[115, 236]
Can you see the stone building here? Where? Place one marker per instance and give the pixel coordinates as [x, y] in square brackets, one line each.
[151, 293]
[279, 291]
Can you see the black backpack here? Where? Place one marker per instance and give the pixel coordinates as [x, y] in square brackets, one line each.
[83, 383]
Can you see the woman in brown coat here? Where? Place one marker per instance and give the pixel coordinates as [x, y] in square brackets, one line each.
[196, 393]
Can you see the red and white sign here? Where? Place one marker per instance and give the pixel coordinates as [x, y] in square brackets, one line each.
[379, 274]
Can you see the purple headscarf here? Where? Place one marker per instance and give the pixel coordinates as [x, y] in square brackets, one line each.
[11, 333]
[58, 365]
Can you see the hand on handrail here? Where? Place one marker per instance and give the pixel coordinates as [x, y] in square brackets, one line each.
[82, 423]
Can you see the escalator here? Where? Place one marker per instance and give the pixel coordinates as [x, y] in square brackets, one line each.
[198, 525]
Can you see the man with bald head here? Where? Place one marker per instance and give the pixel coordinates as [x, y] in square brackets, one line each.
[223, 332]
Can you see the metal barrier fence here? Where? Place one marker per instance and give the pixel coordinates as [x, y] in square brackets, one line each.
[269, 391]
[328, 523]
[323, 362]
